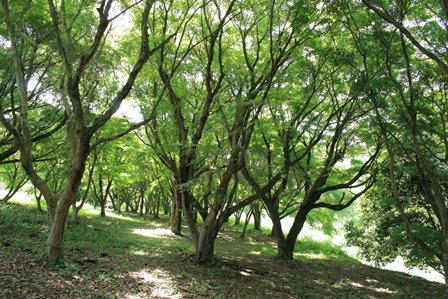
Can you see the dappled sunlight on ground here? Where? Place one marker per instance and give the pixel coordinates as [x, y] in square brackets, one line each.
[139, 252]
[154, 233]
[114, 215]
[120, 259]
[370, 284]
[160, 283]
[224, 236]
[339, 240]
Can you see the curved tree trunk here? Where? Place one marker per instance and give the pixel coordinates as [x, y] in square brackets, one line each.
[246, 223]
[12, 190]
[285, 246]
[286, 250]
[54, 247]
[52, 203]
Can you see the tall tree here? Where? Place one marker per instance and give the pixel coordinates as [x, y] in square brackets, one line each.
[217, 81]
[79, 46]
[409, 95]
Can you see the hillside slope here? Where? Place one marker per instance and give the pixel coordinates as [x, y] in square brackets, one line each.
[129, 257]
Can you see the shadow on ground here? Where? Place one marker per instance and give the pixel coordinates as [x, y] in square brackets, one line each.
[139, 258]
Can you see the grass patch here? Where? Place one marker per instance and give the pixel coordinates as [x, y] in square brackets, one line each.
[128, 256]
[307, 247]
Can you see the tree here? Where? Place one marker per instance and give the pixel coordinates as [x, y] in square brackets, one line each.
[216, 82]
[409, 95]
[79, 49]
[307, 160]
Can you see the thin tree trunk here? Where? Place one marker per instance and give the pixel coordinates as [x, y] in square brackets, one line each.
[176, 212]
[257, 216]
[75, 210]
[238, 217]
[39, 205]
[103, 208]
[156, 209]
[246, 223]
[142, 203]
[13, 190]
[175, 221]
[119, 200]
[38, 200]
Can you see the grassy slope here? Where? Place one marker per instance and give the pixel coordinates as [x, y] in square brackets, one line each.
[129, 257]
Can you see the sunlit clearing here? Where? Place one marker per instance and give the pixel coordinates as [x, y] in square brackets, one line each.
[244, 273]
[153, 233]
[314, 256]
[19, 197]
[347, 282]
[117, 216]
[379, 290]
[139, 252]
[160, 283]
[255, 252]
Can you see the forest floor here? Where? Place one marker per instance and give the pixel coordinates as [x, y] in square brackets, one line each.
[133, 257]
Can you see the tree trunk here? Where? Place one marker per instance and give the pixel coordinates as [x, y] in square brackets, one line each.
[257, 216]
[238, 216]
[272, 234]
[52, 203]
[166, 208]
[103, 208]
[38, 202]
[285, 246]
[142, 203]
[75, 210]
[205, 253]
[195, 217]
[176, 220]
[285, 251]
[157, 209]
[246, 222]
[118, 204]
[54, 247]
